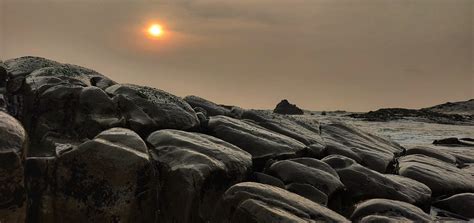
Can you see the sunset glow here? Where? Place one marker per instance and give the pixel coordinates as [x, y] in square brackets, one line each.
[155, 30]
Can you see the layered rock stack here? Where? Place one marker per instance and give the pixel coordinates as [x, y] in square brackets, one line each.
[75, 146]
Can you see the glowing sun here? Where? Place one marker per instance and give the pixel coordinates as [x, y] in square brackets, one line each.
[155, 30]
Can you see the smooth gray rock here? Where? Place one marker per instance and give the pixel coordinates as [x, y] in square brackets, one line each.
[432, 152]
[389, 208]
[13, 143]
[384, 219]
[441, 177]
[266, 179]
[363, 183]
[211, 108]
[307, 171]
[286, 125]
[261, 143]
[462, 204]
[308, 191]
[374, 152]
[195, 170]
[107, 179]
[254, 202]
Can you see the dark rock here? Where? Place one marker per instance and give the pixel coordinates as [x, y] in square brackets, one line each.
[309, 192]
[462, 204]
[13, 143]
[254, 202]
[384, 219]
[266, 179]
[441, 177]
[307, 171]
[195, 170]
[362, 183]
[107, 179]
[432, 152]
[148, 109]
[391, 209]
[261, 143]
[284, 107]
[286, 125]
[210, 107]
[453, 142]
[369, 150]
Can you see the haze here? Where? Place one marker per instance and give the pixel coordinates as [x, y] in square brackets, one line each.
[354, 55]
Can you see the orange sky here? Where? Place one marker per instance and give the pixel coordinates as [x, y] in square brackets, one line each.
[320, 54]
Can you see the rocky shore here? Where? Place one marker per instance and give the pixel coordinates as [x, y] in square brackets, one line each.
[75, 146]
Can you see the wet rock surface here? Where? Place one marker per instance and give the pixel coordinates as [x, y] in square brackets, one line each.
[73, 149]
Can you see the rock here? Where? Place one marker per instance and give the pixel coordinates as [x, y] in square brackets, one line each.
[266, 179]
[286, 125]
[13, 143]
[374, 152]
[391, 209]
[254, 202]
[210, 107]
[148, 109]
[358, 179]
[107, 179]
[309, 192]
[441, 177]
[195, 170]
[432, 152]
[469, 168]
[384, 219]
[261, 143]
[453, 142]
[284, 107]
[307, 171]
[463, 154]
[462, 204]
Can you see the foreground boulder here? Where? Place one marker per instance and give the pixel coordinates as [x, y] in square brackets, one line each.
[13, 142]
[107, 179]
[285, 108]
[441, 177]
[363, 183]
[195, 170]
[307, 133]
[371, 151]
[461, 204]
[253, 202]
[261, 143]
[311, 172]
[391, 210]
[147, 109]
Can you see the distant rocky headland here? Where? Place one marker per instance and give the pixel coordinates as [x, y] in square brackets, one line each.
[457, 113]
[75, 146]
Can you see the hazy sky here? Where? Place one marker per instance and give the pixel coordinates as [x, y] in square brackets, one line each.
[320, 54]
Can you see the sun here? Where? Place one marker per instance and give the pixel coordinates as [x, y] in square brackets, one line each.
[155, 30]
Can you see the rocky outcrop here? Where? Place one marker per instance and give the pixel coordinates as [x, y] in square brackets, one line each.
[461, 204]
[261, 143]
[369, 150]
[460, 107]
[441, 177]
[254, 202]
[362, 183]
[393, 210]
[307, 133]
[13, 143]
[195, 170]
[285, 108]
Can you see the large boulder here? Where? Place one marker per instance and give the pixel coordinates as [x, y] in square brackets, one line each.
[363, 183]
[251, 202]
[107, 179]
[391, 209]
[195, 170]
[211, 108]
[461, 204]
[309, 171]
[307, 133]
[432, 152]
[13, 142]
[374, 152]
[284, 107]
[261, 143]
[147, 109]
[441, 177]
